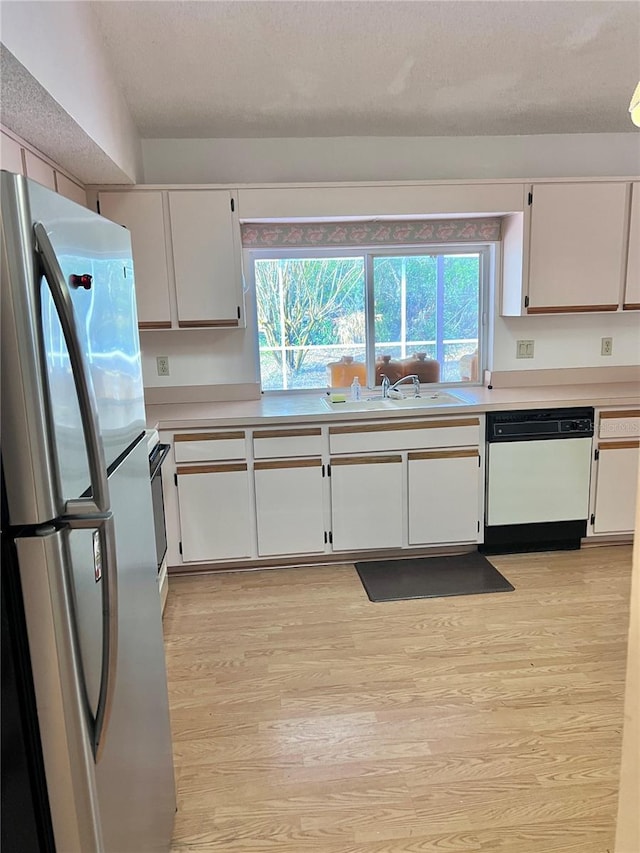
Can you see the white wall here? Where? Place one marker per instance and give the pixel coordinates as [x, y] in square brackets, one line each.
[199, 357]
[567, 340]
[60, 46]
[390, 159]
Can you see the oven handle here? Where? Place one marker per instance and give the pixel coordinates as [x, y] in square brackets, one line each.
[158, 455]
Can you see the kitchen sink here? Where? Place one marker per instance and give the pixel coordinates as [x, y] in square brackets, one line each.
[358, 405]
[438, 398]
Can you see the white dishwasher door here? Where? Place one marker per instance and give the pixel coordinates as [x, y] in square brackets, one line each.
[537, 481]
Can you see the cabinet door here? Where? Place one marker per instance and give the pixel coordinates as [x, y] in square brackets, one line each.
[366, 502]
[69, 189]
[206, 256]
[214, 512]
[38, 170]
[576, 247]
[289, 506]
[632, 289]
[444, 488]
[616, 485]
[142, 213]
[10, 155]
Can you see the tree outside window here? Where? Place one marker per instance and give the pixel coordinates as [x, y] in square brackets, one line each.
[312, 311]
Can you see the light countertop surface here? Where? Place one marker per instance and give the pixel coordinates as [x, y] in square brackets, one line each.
[283, 408]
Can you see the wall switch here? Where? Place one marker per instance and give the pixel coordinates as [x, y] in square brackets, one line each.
[524, 349]
[606, 346]
[162, 362]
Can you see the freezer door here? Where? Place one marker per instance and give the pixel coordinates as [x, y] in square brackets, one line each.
[126, 797]
[94, 256]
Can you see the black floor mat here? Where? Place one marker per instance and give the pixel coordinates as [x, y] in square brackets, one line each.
[430, 577]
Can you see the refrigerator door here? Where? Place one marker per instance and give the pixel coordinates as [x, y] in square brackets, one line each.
[135, 771]
[94, 256]
[59, 692]
[127, 796]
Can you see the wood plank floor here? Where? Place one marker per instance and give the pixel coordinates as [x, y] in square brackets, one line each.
[306, 718]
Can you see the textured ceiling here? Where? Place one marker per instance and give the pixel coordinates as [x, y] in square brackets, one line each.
[285, 68]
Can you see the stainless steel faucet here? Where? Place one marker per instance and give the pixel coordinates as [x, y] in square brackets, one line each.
[386, 385]
[411, 378]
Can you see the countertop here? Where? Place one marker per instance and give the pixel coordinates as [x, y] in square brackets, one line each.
[282, 408]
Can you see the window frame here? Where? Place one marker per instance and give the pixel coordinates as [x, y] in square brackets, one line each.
[485, 250]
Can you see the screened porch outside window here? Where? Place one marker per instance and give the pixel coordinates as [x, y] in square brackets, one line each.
[316, 306]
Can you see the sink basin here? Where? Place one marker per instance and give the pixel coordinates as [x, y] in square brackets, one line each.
[438, 398]
[358, 405]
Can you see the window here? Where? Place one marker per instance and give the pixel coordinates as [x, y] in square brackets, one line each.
[380, 307]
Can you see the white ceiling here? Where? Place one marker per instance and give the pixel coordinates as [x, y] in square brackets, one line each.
[304, 68]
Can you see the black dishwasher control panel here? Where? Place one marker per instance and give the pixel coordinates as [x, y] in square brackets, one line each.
[530, 424]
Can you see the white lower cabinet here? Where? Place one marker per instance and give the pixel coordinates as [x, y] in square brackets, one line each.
[366, 502]
[616, 485]
[215, 513]
[444, 496]
[289, 507]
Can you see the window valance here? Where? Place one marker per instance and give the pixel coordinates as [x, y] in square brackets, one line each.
[275, 235]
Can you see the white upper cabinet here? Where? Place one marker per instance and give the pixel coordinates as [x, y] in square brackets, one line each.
[198, 273]
[70, 189]
[143, 214]
[632, 290]
[38, 170]
[385, 199]
[576, 247]
[10, 155]
[206, 255]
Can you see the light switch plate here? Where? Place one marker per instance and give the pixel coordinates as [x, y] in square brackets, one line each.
[524, 349]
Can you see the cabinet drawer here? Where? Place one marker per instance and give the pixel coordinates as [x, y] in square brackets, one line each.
[206, 446]
[619, 424]
[281, 443]
[447, 432]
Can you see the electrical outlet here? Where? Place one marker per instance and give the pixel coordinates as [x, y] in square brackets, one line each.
[524, 349]
[162, 362]
[606, 346]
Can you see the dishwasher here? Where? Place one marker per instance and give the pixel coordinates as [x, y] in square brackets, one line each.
[538, 473]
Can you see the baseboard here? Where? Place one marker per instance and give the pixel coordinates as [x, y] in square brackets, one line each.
[321, 559]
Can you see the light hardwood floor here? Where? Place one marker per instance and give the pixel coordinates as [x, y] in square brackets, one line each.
[306, 718]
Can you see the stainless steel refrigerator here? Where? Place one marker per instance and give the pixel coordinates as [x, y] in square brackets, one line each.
[84, 622]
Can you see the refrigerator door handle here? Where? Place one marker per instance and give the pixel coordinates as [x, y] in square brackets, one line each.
[99, 502]
[105, 563]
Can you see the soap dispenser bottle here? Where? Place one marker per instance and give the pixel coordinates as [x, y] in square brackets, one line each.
[355, 389]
